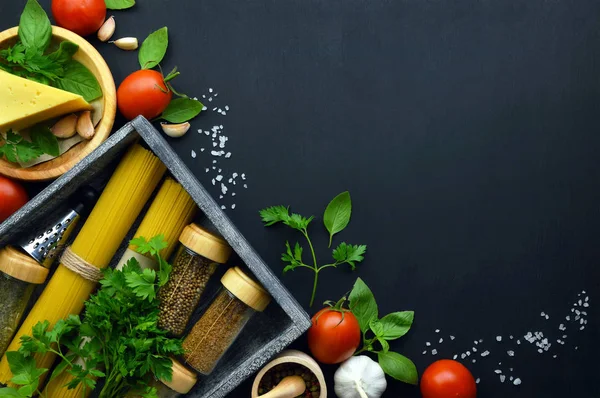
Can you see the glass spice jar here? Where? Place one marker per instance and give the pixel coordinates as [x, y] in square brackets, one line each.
[19, 274]
[194, 263]
[181, 383]
[239, 298]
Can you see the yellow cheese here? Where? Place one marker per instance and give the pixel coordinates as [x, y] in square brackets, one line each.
[24, 103]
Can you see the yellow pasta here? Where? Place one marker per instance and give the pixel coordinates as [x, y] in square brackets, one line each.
[129, 188]
[171, 210]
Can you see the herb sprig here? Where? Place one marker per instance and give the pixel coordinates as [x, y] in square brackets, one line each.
[378, 332]
[15, 148]
[29, 57]
[117, 339]
[345, 253]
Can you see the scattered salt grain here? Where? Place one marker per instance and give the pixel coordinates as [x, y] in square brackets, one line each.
[502, 378]
[424, 352]
[455, 356]
[437, 330]
[193, 154]
[233, 206]
[485, 353]
[498, 338]
[477, 381]
[441, 340]
[510, 353]
[497, 371]
[428, 344]
[434, 352]
[517, 381]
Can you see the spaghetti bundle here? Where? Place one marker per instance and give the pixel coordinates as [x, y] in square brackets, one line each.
[129, 188]
[171, 210]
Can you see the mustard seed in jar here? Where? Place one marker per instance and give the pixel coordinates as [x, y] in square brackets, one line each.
[240, 297]
[194, 263]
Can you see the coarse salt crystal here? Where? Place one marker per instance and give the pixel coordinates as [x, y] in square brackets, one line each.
[510, 353]
[228, 155]
[441, 340]
[233, 194]
[497, 371]
[474, 360]
[498, 338]
[477, 381]
[437, 330]
[223, 207]
[219, 177]
[424, 352]
[434, 352]
[485, 353]
[193, 154]
[428, 344]
[213, 181]
[462, 356]
[245, 186]
[517, 381]
[455, 356]
[502, 378]
[233, 206]
[223, 189]
[204, 107]
[474, 349]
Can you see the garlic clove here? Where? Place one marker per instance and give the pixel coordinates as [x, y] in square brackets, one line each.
[85, 128]
[65, 127]
[126, 43]
[107, 29]
[359, 377]
[98, 111]
[175, 130]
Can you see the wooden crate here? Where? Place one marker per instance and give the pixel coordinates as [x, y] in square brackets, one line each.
[265, 335]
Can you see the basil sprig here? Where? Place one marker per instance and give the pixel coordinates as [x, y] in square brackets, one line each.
[29, 57]
[377, 333]
[119, 4]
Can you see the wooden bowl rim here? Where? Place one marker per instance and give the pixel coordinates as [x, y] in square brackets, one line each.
[292, 356]
[103, 130]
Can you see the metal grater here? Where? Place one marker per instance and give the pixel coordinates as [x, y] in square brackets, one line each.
[47, 245]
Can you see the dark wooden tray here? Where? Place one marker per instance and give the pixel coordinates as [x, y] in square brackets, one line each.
[267, 333]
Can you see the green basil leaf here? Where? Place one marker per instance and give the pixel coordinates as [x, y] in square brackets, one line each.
[119, 4]
[399, 367]
[43, 138]
[385, 346]
[337, 214]
[181, 110]
[396, 324]
[35, 30]
[154, 48]
[78, 79]
[9, 392]
[376, 327]
[363, 304]
[65, 52]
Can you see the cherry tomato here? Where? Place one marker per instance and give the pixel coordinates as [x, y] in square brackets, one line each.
[12, 197]
[448, 379]
[143, 93]
[334, 336]
[83, 17]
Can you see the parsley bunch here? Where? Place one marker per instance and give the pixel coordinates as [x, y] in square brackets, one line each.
[336, 218]
[15, 148]
[117, 339]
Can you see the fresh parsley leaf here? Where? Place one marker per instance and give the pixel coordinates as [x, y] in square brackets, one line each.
[363, 305]
[337, 214]
[274, 214]
[153, 246]
[35, 30]
[154, 48]
[293, 259]
[10, 392]
[142, 284]
[14, 54]
[27, 151]
[119, 4]
[43, 138]
[25, 371]
[298, 222]
[399, 367]
[349, 254]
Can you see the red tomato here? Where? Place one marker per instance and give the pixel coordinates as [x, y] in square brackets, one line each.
[143, 93]
[448, 379]
[83, 17]
[332, 339]
[12, 197]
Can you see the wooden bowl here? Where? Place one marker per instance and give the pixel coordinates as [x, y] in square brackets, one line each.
[292, 356]
[92, 59]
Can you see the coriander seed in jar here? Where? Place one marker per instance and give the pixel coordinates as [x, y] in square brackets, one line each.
[240, 297]
[198, 256]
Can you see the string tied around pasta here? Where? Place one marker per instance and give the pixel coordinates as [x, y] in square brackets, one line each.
[81, 267]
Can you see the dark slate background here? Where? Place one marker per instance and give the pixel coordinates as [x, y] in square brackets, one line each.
[466, 132]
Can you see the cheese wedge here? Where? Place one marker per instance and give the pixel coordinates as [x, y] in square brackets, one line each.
[24, 103]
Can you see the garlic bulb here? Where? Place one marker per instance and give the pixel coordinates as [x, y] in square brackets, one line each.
[360, 377]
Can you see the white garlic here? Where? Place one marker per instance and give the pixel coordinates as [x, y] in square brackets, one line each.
[126, 43]
[175, 130]
[107, 29]
[359, 377]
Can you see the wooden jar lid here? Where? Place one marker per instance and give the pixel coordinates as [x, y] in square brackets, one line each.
[20, 266]
[204, 243]
[245, 289]
[183, 379]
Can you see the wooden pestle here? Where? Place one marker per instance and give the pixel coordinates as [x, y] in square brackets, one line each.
[290, 387]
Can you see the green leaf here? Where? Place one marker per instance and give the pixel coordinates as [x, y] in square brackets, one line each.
[385, 346]
[337, 214]
[78, 79]
[396, 324]
[298, 222]
[35, 30]
[43, 138]
[142, 284]
[181, 110]
[29, 389]
[298, 252]
[154, 48]
[376, 327]
[58, 370]
[363, 304]
[293, 258]
[350, 254]
[399, 367]
[65, 52]
[153, 246]
[14, 54]
[119, 4]
[9, 392]
[274, 214]
[27, 151]
[24, 369]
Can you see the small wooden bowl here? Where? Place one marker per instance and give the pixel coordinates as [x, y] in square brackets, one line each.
[292, 356]
[92, 59]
